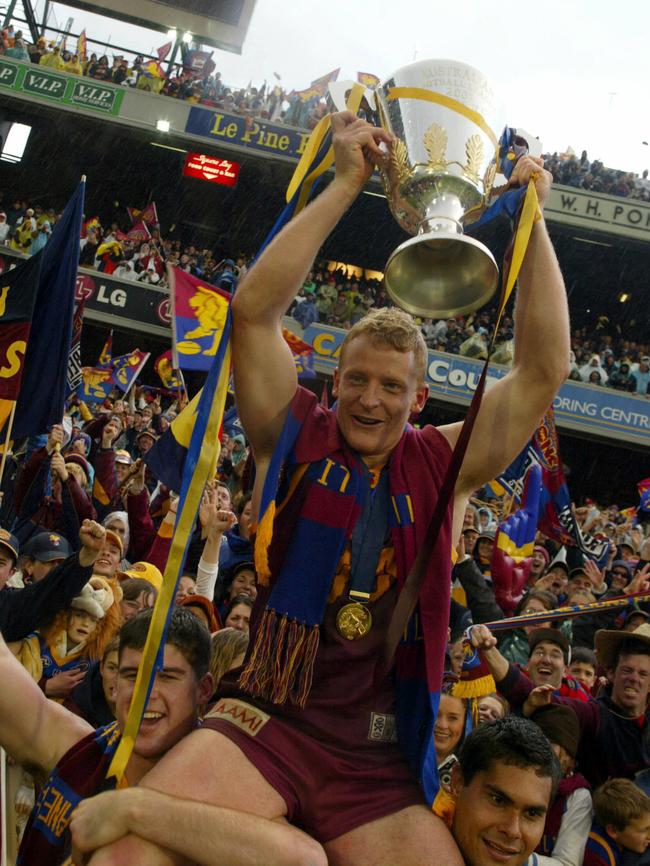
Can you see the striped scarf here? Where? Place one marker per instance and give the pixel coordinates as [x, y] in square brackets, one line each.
[79, 774]
[312, 463]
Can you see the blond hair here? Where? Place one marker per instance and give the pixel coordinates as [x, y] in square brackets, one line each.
[395, 328]
[619, 801]
[227, 644]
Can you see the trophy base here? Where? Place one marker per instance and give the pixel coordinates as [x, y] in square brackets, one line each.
[438, 275]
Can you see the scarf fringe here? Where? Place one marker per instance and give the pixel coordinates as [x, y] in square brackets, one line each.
[476, 688]
[263, 537]
[281, 665]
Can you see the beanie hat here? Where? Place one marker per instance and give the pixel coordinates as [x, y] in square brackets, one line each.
[539, 548]
[560, 724]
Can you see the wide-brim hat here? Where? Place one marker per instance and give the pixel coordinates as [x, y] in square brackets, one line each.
[608, 643]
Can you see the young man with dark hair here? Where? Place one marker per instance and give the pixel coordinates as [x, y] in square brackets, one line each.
[502, 786]
[55, 743]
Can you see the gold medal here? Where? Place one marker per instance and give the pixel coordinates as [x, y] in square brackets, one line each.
[353, 621]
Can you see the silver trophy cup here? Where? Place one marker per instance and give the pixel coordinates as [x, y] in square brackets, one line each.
[446, 121]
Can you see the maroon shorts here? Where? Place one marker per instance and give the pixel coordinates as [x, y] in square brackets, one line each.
[328, 790]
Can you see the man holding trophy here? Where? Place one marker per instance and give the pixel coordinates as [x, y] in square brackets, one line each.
[307, 733]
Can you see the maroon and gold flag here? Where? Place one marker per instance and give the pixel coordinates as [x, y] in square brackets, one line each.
[18, 290]
[148, 215]
[139, 233]
[318, 87]
[367, 79]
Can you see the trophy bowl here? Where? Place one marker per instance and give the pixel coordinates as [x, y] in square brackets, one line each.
[446, 121]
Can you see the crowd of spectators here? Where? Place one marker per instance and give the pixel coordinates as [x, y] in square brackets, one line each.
[570, 170]
[199, 86]
[600, 355]
[204, 86]
[90, 470]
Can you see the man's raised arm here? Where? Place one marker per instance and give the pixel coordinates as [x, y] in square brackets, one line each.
[514, 406]
[265, 376]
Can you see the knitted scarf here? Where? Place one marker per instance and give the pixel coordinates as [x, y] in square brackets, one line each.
[556, 812]
[79, 774]
[298, 555]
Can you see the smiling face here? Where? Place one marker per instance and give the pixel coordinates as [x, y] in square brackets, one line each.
[108, 560]
[244, 583]
[538, 563]
[631, 683]
[172, 710]
[449, 727]
[546, 664]
[490, 708]
[500, 814]
[377, 388]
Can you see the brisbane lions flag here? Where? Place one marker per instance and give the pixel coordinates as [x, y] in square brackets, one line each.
[18, 290]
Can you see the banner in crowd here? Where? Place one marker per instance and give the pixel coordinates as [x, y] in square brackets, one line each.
[303, 354]
[121, 372]
[644, 497]
[127, 368]
[164, 50]
[139, 233]
[164, 367]
[18, 292]
[199, 63]
[368, 79]
[106, 354]
[74, 357]
[42, 395]
[453, 378]
[149, 215]
[318, 88]
[60, 88]
[557, 519]
[82, 45]
[199, 313]
[231, 422]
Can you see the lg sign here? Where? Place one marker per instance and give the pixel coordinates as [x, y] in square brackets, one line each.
[212, 169]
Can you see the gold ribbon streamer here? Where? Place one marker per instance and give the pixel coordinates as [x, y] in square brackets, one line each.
[530, 214]
[300, 175]
[447, 102]
[204, 471]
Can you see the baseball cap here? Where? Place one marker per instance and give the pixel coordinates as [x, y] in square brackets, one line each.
[115, 539]
[48, 546]
[551, 635]
[122, 456]
[147, 432]
[10, 542]
[144, 571]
